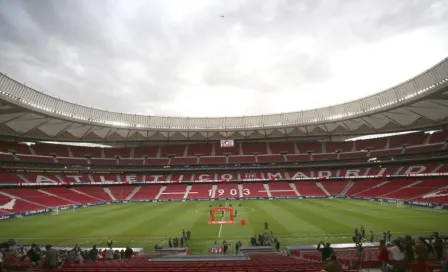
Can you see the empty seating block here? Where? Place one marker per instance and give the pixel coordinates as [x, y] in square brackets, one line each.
[50, 150]
[310, 147]
[155, 161]
[148, 151]
[147, 192]
[385, 188]
[9, 178]
[270, 158]
[376, 144]
[121, 192]
[183, 161]
[241, 159]
[95, 192]
[200, 149]
[130, 161]
[174, 192]
[39, 159]
[181, 177]
[420, 189]
[280, 148]
[407, 139]
[71, 195]
[39, 197]
[254, 190]
[307, 188]
[81, 151]
[281, 189]
[213, 160]
[172, 150]
[200, 191]
[339, 146]
[227, 190]
[254, 148]
[120, 152]
[362, 185]
[334, 187]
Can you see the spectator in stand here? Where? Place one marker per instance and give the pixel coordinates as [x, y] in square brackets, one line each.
[333, 265]
[78, 258]
[122, 254]
[438, 246]
[326, 251]
[128, 253]
[33, 256]
[397, 256]
[70, 258]
[1, 262]
[110, 242]
[76, 248]
[409, 248]
[117, 255]
[110, 254]
[445, 262]
[51, 258]
[384, 256]
[93, 254]
[421, 250]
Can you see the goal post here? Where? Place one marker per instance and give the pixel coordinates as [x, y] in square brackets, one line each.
[399, 203]
[229, 210]
[58, 209]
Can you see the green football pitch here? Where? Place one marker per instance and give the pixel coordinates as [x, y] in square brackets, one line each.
[294, 222]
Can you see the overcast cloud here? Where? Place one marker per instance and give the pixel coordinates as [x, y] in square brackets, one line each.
[181, 58]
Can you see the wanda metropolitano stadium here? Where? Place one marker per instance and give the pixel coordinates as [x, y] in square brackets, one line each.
[77, 175]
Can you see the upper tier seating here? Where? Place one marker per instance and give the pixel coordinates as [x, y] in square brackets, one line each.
[383, 148]
[200, 149]
[81, 151]
[254, 148]
[279, 148]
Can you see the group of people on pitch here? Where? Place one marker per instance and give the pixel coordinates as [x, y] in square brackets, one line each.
[179, 242]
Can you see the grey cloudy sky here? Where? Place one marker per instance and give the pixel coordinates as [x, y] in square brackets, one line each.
[180, 58]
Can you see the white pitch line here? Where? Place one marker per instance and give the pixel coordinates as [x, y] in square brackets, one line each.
[222, 218]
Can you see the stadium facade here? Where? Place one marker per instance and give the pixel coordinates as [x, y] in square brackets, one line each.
[420, 103]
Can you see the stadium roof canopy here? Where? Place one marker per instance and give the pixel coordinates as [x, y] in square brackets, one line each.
[417, 104]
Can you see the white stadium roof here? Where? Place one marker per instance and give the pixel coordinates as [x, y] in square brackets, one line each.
[419, 103]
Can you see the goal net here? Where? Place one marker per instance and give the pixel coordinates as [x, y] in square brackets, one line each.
[57, 210]
[399, 203]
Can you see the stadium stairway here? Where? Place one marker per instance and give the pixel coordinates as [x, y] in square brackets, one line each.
[107, 190]
[133, 192]
[319, 184]
[347, 187]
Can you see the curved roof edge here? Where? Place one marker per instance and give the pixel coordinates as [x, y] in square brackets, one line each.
[415, 88]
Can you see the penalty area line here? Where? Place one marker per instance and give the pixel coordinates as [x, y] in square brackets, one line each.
[220, 227]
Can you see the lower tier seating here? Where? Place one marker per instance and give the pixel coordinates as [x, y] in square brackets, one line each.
[428, 190]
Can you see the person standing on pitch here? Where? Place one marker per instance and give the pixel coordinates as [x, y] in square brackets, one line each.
[109, 242]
